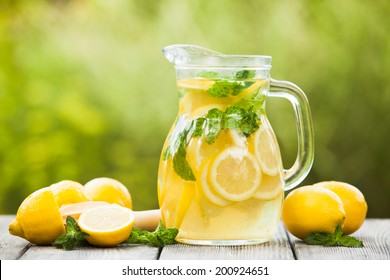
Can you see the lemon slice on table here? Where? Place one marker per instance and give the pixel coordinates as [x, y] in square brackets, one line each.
[267, 151]
[270, 187]
[235, 174]
[107, 226]
[206, 190]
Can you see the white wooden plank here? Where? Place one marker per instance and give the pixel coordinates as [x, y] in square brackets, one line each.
[276, 249]
[11, 247]
[132, 252]
[374, 233]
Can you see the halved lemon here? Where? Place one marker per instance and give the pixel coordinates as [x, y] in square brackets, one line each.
[107, 226]
[206, 190]
[270, 187]
[267, 150]
[76, 209]
[235, 174]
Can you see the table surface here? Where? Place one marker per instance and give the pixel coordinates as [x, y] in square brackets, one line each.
[375, 233]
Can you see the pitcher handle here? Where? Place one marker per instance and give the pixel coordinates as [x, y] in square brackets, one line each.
[304, 161]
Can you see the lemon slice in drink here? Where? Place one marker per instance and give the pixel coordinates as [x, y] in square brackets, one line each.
[198, 150]
[267, 151]
[107, 226]
[252, 89]
[206, 190]
[235, 174]
[270, 187]
[201, 84]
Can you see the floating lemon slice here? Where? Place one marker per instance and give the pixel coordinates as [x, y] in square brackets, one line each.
[235, 174]
[202, 111]
[270, 187]
[267, 151]
[207, 191]
[201, 84]
[107, 226]
[238, 138]
[198, 150]
[252, 89]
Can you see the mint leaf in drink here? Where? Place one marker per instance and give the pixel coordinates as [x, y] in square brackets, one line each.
[250, 122]
[214, 125]
[225, 88]
[158, 238]
[198, 126]
[72, 237]
[180, 163]
[208, 74]
[233, 117]
[245, 74]
[177, 149]
[336, 239]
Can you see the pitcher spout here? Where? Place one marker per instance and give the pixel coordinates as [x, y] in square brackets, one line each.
[181, 54]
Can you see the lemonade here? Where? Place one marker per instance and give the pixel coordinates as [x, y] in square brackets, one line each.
[220, 173]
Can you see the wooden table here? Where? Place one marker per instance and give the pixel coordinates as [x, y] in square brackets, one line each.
[375, 233]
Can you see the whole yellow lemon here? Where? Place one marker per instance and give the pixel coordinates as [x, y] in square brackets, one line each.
[69, 192]
[311, 209]
[354, 203]
[38, 219]
[109, 190]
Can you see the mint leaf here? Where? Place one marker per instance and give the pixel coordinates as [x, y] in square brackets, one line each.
[349, 241]
[225, 88]
[198, 126]
[180, 163]
[250, 122]
[338, 232]
[208, 74]
[245, 74]
[177, 149]
[72, 237]
[213, 125]
[318, 238]
[160, 237]
[336, 239]
[233, 117]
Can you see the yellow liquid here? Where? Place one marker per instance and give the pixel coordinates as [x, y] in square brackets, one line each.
[213, 209]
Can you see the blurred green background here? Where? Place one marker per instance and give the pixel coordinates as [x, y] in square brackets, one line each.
[85, 91]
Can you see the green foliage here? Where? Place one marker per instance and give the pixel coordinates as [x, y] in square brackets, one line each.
[73, 236]
[85, 91]
[158, 238]
[336, 239]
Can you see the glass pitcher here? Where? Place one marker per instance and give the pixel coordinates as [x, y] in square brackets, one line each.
[221, 180]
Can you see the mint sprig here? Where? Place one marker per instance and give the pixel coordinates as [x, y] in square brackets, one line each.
[245, 74]
[225, 88]
[73, 236]
[210, 126]
[336, 239]
[158, 238]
